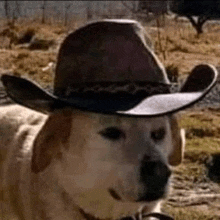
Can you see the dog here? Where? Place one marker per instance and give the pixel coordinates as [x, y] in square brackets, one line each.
[49, 163]
[102, 145]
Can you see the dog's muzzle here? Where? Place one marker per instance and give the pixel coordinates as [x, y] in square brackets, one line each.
[154, 175]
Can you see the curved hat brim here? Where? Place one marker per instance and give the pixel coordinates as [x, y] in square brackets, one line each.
[198, 84]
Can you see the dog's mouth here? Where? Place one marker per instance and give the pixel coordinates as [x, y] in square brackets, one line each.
[147, 197]
[152, 196]
[114, 194]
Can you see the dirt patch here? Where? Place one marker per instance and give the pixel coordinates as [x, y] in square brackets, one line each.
[195, 193]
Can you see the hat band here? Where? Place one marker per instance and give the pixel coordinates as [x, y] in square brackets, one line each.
[141, 89]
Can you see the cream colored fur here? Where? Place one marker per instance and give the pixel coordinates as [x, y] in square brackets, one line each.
[53, 166]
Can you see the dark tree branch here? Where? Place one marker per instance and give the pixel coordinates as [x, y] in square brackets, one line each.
[43, 7]
[199, 24]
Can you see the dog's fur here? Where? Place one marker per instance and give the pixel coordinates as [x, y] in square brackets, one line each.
[54, 166]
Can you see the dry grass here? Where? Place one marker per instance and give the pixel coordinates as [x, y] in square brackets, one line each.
[202, 130]
[190, 178]
[189, 214]
[182, 48]
[29, 64]
[41, 30]
[24, 62]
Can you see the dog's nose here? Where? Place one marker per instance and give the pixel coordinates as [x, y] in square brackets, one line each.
[154, 172]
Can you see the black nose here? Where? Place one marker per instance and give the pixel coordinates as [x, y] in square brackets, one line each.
[154, 173]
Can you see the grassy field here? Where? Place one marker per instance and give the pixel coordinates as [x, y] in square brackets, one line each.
[194, 195]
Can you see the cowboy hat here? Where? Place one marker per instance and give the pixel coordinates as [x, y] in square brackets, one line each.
[107, 67]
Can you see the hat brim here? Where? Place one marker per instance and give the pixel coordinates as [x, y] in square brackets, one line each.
[198, 84]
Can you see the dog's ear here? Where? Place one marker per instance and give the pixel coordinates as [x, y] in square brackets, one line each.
[50, 139]
[178, 143]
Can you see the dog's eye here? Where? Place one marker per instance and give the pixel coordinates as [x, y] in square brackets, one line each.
[158, 135]
[112, 133]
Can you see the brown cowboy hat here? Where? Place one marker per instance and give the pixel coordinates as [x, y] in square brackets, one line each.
[107, 67]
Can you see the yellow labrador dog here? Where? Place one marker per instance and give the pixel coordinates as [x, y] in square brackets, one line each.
[109, 137]
[49, 163]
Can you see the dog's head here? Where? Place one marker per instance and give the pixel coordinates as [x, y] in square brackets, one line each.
[128, 157]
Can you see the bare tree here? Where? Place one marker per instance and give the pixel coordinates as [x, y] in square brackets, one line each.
[88, 10]
[131, 6]
[66, 13]
[12, 11]
[155, 7]
[43, 7]
[147, 10]
[198, 25]
[6, 6]
[198, 12]
[16, 12]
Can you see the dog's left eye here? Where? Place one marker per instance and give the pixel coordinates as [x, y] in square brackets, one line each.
[158, 135]
[112, 133]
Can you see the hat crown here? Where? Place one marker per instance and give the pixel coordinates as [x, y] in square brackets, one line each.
[108, 51]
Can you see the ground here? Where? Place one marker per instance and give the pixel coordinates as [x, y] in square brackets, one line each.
[194, 195]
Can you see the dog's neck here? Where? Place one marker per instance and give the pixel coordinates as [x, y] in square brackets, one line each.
[141, 214]
[92, 207]
[81, 214]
